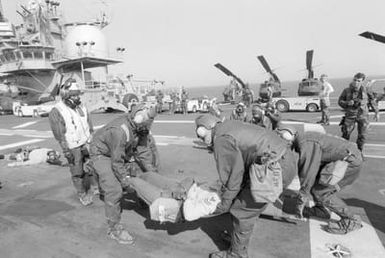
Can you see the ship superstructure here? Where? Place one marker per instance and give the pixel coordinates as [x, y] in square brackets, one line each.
[27, 50]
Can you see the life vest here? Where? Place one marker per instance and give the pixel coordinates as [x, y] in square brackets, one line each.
[77, 128]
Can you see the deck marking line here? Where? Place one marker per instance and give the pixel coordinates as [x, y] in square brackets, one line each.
[174, 121]
[25, 124]
[16, 144]
[331, 123]
[362, 243]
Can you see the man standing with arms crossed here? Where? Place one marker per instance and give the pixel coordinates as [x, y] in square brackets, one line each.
[324, 99]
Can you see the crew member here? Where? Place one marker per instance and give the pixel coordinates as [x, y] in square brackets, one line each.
[184, 100]
[327, 164]
[71, 125]
[236, 148]
[239, 113]
[159, 101]
[247, 96]
[324, 99]
[112, 154]
[268, 118]
[355, 100]
[215, 110]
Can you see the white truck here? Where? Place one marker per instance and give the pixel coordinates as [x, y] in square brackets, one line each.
[303, 103]
[23, 109]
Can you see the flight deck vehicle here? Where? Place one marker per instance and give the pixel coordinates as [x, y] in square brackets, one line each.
[301, 103]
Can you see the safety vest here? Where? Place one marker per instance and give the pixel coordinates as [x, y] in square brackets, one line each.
[77, 128]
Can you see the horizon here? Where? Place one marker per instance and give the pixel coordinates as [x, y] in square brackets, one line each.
[179, 41]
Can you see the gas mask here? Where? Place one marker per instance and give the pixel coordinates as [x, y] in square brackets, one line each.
[143, 120]
[257, 117]
[205, 135]
[239, 110]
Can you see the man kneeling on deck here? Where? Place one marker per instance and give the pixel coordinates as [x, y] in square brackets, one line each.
[327, 164]
[254, 166]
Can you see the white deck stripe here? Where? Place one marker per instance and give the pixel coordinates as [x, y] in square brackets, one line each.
[375, 157]
[332, 123]
[174, 121]
[25, 124]
[362, 243]
[16, 144]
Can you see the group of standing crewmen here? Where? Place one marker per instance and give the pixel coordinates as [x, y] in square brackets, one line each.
[124, 147]
[175, 100]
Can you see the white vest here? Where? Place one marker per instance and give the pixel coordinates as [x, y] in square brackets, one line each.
[77, 128]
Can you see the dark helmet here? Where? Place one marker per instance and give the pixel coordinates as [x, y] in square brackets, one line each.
[207, 121]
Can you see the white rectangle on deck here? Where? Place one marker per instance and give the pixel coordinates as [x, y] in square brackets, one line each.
[24, 125]
[362, 243]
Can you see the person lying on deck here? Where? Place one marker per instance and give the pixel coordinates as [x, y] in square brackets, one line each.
[172, 200]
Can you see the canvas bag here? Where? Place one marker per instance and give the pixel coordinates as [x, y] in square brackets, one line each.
[333, 172]
[199, 203]
[266, 182]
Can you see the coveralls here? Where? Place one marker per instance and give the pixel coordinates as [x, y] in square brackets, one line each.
[269, 120]
[111, 151]
[236, 146]
[184, 99]
[58, 126]
[325, 101]
[357, 113]
[159, 101]
[315, 151]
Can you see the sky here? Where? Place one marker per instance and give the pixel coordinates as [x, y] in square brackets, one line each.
[179, 41]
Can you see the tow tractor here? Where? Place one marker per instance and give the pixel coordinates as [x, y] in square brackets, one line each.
[303, 103]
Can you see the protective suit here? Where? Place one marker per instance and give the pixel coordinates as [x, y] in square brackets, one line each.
[236, 147]
[316, 153]
[72, 128]
[267, 118]
[113, 152]
[355, 100]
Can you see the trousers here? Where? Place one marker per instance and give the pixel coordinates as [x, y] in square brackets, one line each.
[348, 125]
[111, 187]
[325, 110]
[327, 195]
[78, 175]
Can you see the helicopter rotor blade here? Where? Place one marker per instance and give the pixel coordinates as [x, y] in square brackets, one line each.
[229, 73]
[373, 36]
[267, 68]
[264, 64]
[309, 60]
[275, 77]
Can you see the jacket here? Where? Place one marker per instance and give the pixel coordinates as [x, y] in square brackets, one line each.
[71, 128]
[318, 149]
[115, 140]
[362, 98]
[236, 146]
